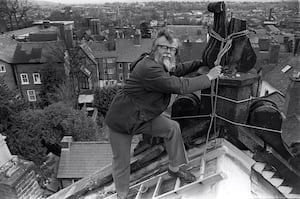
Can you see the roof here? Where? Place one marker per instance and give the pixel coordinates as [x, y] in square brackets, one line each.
[87, 50]
[127, 51]
[85, 98]
[8, 47]
[189, 32]
[100, 50]
[24, 31]
[279, 79]
[39, 52]
[83, 158]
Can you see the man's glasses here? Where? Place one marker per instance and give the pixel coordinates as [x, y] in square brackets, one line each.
[164, 47]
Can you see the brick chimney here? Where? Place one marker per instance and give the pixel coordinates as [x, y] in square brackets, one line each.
[66, 142]
[5, 154]
[137, 37]
[238, 88]
[17, 176]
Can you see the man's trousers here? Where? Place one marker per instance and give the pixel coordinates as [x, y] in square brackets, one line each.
[160, 126]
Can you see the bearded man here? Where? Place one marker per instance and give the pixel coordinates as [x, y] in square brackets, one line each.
[138, 107]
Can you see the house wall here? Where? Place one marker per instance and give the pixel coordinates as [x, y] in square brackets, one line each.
[30, 69]
[8, 75]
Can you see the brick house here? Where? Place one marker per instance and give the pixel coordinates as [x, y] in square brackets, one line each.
[127, 52]
[106, 59]
[8, 47]
[28, 61]
[88, 76]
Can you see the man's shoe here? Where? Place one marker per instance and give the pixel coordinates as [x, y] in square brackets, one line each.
[183, 174]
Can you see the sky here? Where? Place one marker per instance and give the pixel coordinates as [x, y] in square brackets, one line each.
[103, 1]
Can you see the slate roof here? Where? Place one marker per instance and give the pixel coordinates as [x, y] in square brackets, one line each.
[7, 46]
[127, 51]
[23, 31]
[87, 50]
[83, 159]
[277, 78]
[100, 50]
[39, 52]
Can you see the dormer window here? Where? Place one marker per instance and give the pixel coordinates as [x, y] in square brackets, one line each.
[24, 78]
[2, 69]
[36, 78]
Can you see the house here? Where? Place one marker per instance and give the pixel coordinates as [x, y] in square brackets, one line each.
[127, 52]
[28, 62]
[8, 46]
[89, 75]
[106, 60]
[114, 64]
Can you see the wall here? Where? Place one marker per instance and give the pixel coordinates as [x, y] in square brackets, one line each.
[8, 76]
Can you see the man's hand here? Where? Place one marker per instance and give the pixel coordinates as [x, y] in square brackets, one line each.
[214, 73]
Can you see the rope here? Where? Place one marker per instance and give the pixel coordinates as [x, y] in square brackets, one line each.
[248, 126]
[232, 100]
[215, 83]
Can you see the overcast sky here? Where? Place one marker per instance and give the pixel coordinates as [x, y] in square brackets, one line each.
[103, 1]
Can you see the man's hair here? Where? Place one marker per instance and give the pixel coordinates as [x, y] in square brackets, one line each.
[168, 34]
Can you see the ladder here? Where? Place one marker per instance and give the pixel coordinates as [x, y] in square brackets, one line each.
[164, 186]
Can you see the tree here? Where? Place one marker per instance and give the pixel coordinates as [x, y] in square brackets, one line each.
[52, 79]
[34, 127]
[15, 13]
[103, 98]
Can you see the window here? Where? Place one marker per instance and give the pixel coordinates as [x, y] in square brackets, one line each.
[110, 71]
[129, 65]
[31, 95]
[2, 69]
[128, 74]
[120, 65]
[121, 77]
[24, 78]
[36, 78]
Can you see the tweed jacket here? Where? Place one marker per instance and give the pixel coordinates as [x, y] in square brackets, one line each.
[147, 91]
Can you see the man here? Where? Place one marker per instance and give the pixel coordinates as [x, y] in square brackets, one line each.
[138, 107]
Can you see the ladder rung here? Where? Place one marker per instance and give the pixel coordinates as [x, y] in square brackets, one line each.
[177, 184]
[157, 188]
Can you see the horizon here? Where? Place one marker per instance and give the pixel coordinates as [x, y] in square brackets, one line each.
[133, 1]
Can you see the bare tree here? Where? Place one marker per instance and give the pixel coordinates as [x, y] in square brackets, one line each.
[15, 12]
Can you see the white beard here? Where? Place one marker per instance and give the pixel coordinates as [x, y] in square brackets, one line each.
[168, 63]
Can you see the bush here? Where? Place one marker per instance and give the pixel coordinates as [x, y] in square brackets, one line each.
[103, 98]
[49, 124]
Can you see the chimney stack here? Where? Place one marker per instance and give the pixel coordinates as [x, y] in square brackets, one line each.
[5, 154]
[66, 142]
[137, 37]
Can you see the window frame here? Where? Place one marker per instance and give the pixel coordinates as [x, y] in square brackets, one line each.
[39, 78]
[4, 68]
[33, 95]
[24, 82]
[120, 66]
[121, 77]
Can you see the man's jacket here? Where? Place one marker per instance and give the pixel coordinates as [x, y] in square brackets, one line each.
[146, 94]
